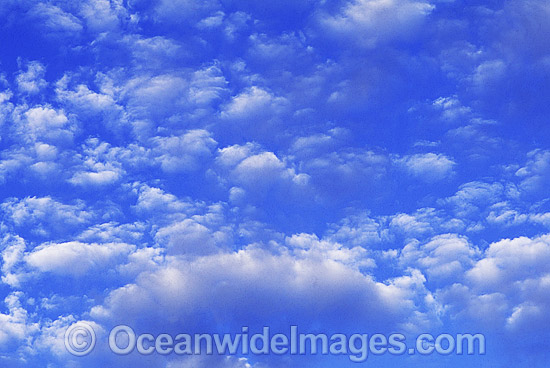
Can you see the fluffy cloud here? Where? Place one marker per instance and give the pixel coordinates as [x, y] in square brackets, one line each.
[32, 81]
[427, 167]
[511, 260]
[253, 105]
[370, 22]
[55, 20]
[536, 173]
[192, 238]
[43, 123]
[253, 287]
[15, 326]
[258, 171]
[77, 259]
[184, 153]
[444, 257]
[44, 216]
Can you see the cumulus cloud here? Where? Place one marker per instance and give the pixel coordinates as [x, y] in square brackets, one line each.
[77, 259]
[429, 167]
[32, 80]
[253, 169]
[15, 326]
[45, 124]
[184, 153]
[192, 238]
[253, 105]
[370, 22]
[99, 165]
[444, 257]
[55, 21]
[13, 249]
[511, 260]
[44, 215]
[252, 286]
[536, 173]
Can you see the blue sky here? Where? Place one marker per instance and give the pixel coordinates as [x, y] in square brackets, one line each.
[370, 166]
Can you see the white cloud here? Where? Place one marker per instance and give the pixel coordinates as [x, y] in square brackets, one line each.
[445, 257]
[347, 171]
[452, 109]
[308, 246]
[102, 15]
[154, 53]
[189, 237]
[77, 259]
[207, 85]
[253, 105]
[154, 97]
[155, 200]
[32, 81]
[13, 249]
[474, 197]
[411, 225]
[535, 174]
[358, 230]
[254, 285]
[55, 20]
[371, 22]
[43, 123]
[178, 11]
[510, 260]
[258, 171]
[185, 152]
[429, 167]
[44, 215]
[265, 169]
[100, 164]
[88, 103]
[15, 326]
[489, 72]
[102, 177]
[113, 231]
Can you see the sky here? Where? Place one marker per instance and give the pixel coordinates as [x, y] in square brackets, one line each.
[350, 166]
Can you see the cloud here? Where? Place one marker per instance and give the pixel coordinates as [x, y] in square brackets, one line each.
[252, 286]
[102, 15]
[536, 173]
[192, 238]
[155, 200]
[258, 171]
[13, 249]
[371, 22]
[99, 165]
[184, 11]
[15, 326]
[351, 165]
[32, 81]
[253, 105]
[511, 260]
[428, 167]
[309, 246]
[45, 216]
[184, 153]
[445, 257]
[473, 197]
[55, 20]
[45, 124]
[77, 259]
